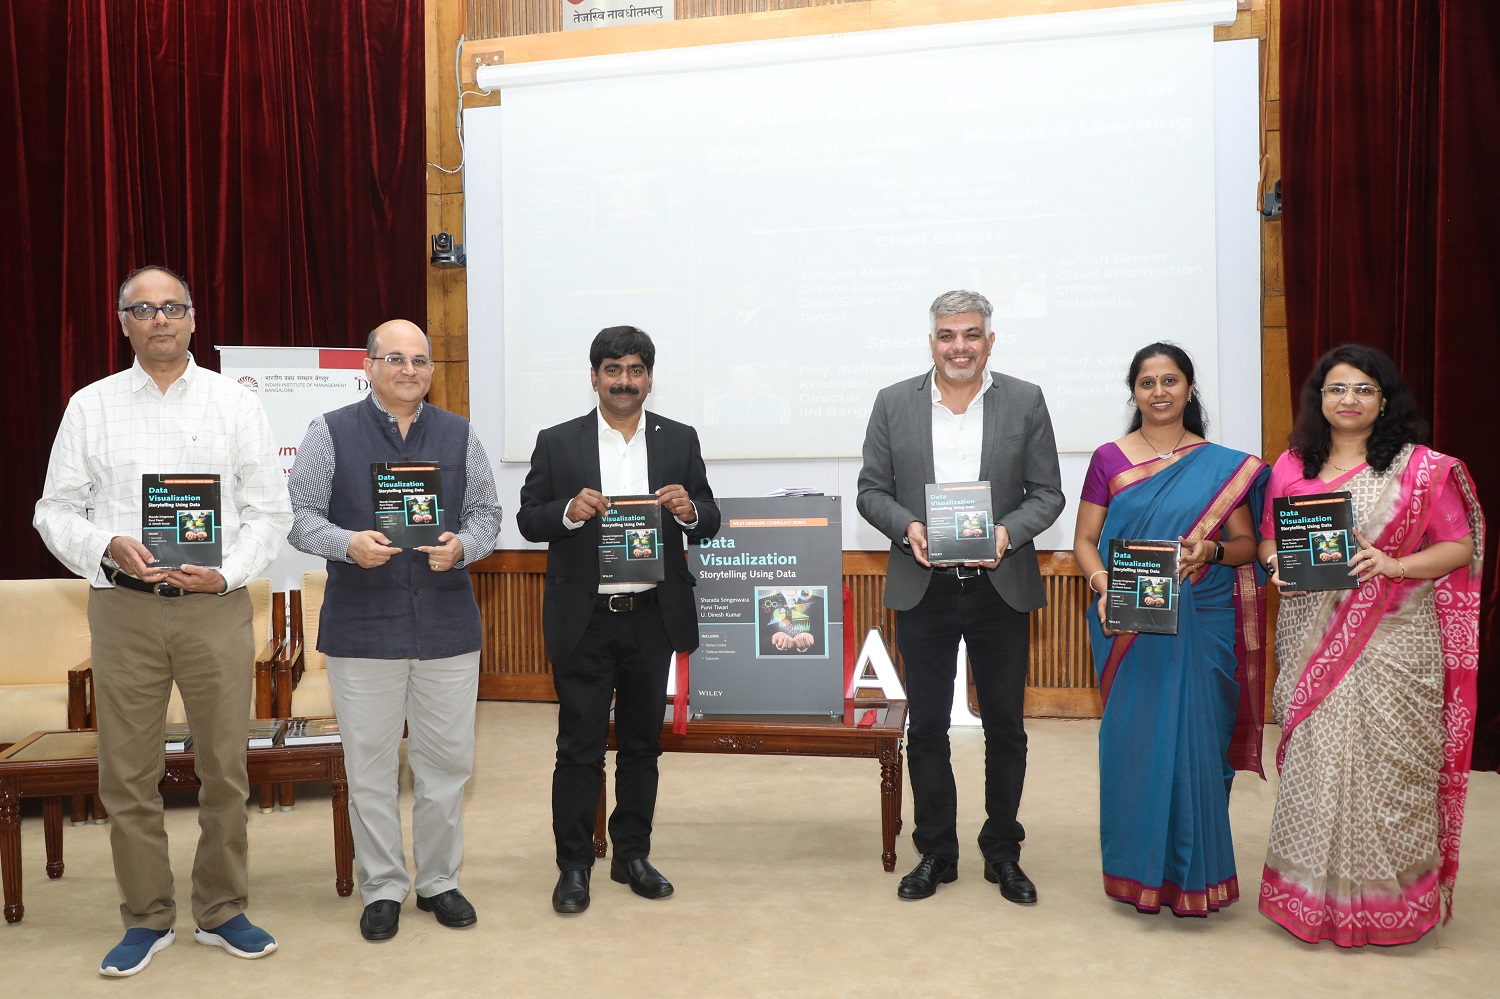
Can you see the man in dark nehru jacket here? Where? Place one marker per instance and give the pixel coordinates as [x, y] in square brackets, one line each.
[153, 626]
[613, 639]
[960, 422]
[399, 627]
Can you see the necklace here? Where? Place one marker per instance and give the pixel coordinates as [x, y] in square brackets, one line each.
[1341, 468]
[1169, 454]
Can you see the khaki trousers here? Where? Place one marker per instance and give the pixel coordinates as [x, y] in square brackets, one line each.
[141, 645]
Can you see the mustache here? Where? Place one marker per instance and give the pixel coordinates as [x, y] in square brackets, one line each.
[624, 390]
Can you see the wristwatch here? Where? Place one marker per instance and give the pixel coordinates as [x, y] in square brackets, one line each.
[1218, 555]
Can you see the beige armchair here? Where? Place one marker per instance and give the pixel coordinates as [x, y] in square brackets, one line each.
[46, 627]
[301, 685]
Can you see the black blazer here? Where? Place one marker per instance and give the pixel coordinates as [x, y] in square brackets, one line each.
[565, 461]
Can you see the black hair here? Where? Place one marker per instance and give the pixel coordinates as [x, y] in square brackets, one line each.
[1398, 423]
[186, 291]
[620, 341]
[1192, 414]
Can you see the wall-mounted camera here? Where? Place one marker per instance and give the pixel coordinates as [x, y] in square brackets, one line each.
[1272, 208]
[446, 253]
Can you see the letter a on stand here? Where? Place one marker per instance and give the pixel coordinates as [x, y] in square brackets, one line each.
[874, 669]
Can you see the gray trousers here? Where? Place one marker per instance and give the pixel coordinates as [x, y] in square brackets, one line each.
[434, 699]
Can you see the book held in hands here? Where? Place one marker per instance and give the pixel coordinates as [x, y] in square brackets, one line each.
[630, 541]
[408, 502]
[1142, 586]
[960, 523]
[1314, 541]
[180, 520]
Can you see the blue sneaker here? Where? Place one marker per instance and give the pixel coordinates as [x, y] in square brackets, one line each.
[239, 936]
[134, 952]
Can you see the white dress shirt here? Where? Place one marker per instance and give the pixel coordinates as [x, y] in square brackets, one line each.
[123, 427]
[623, 471]
[958, 438]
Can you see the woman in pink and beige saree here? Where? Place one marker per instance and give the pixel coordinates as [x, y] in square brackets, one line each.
[1376, 691]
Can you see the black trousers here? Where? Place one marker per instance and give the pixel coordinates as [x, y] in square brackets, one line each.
[625, 656]
[998, 642]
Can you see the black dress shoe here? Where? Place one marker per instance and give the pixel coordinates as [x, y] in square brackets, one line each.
[645, 880]
[572, 891]
[380, 919]
[930, 872]
[450, 907]
[1013, 882]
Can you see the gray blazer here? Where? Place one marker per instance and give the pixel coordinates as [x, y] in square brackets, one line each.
[1019, 462]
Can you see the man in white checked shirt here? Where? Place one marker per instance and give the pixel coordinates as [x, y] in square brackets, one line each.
[151, 626]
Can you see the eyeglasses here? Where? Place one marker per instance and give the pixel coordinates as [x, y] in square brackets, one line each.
[146, 312]
[1364, 390]
[421, 362]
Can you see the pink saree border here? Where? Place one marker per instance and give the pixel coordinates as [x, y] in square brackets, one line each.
[1384, 920]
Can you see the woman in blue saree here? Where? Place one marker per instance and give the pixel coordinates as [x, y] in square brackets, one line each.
[1181, 712]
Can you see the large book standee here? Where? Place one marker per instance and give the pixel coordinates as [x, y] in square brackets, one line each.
[770, 609]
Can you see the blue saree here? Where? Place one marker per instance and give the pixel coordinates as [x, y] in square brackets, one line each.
[1181, 712]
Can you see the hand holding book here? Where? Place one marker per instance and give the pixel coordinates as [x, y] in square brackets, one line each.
[446, 554]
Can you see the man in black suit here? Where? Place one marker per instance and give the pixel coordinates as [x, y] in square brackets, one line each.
[614, 639]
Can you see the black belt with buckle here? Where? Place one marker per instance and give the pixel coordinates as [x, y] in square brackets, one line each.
[962, 571]
[120, 577]
[619, 603]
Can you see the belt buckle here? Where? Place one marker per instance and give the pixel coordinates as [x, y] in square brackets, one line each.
[967, 571]
[167, 590]
[625, 598]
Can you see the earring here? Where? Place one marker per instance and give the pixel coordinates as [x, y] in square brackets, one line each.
[1132, 402]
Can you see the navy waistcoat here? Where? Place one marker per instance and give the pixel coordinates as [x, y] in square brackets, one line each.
[400, 610]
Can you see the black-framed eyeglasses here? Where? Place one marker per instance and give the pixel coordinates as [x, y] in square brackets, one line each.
[145, 312]
[421, 362]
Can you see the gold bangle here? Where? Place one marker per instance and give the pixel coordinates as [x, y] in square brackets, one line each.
[1403, 571]
[1096, 572]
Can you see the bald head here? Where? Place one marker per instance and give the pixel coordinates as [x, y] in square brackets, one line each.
[376, 343]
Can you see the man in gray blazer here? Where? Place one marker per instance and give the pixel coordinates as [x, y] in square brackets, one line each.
[960, 422]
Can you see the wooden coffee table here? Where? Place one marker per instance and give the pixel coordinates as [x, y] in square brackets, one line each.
[798, 735]
[55, 765]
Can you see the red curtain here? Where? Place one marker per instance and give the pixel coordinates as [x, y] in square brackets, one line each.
[270, 150]
[1391, 235]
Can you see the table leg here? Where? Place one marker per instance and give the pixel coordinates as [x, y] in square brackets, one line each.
[343, 837]
[52, 809]
[10, 847]
[890, 800]
[601, 844]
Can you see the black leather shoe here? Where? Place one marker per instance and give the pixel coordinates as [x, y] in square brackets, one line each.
[380, 919]
[1013, 882]
[645, 880]
[450, 907]
[572, 891]
[930, 872]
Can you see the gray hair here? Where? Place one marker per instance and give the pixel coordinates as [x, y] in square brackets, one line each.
[120, 302]
[951, 303]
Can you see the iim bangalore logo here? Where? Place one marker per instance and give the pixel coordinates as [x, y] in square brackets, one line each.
[250, 383]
